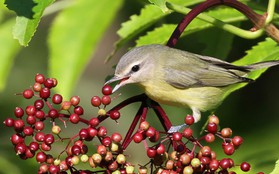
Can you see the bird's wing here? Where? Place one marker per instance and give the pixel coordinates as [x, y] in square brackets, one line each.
[191, 70]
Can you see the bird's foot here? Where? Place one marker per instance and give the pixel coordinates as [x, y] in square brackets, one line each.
[176, 128]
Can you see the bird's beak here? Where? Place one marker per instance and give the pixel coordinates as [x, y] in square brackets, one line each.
[120, 84]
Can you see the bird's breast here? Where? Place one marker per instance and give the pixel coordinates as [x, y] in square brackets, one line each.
[203, 98]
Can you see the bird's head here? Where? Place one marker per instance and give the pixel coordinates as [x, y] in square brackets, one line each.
[136, 66]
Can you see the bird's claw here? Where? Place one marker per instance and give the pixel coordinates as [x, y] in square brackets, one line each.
[176, 128]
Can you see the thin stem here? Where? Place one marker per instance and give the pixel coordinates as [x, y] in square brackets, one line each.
[256, 19]
[270, 11]
[218, 23]
[128, 138]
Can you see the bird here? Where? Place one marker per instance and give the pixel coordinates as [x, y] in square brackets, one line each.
[180, 78]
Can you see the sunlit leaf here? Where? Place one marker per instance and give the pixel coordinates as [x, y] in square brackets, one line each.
[161, 4]
[26, 25]
[74, 36]
[264, 51]
[9, 48]
[276, 169]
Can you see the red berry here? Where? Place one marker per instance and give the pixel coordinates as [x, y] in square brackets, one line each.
[45, 147]
[45, 93]
[228, 149]
[102, 131]
[213, 119]
[78, 110]
[245, 166]
[30, 110]
[155, 137]
[41, 157]
[57, 98]
[177, 136]
[76, 150]
[16, 139]
[74, 118]
[237, 141]
[33, 146]
[53, 113]
[212, 128]
[19, 112]
[28, 130]
[106, 141]
[40, 114]
[49, 139]
[226, 132]
[209, 137]
[107, 90]
[116, 137]
[144, 126]
[187, 132]
[137, 137]
[39, 125]
[19, 125]
[28, 93]
[206, 151]
[39, 104]
[20, 148]
[49, 83]
[94, 122]
[37, 87]
[225, 163]
[83, 134]
[39, 78]
[75, 100]
[53, 169]
[160, 149]
[40, 136]
[150, 131]
[106, 100]
[101, 149]
[96, 101]
[189, 120]
[114, 115]
[214, 164]
[9, 122]
[151, 152]
[31, 120]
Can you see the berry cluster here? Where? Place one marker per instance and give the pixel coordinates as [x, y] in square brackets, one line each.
[169, 153]
[197, 159]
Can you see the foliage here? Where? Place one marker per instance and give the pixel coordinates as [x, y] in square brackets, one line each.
[77, 27]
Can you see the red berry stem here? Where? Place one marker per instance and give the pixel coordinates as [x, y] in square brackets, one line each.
[257, 19]
[128, 138]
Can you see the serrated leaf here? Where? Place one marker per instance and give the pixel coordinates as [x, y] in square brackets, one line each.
[264, 51]
[9, 48]
[74, 36]
[161, 4]
[161, 35]
[276, 169]
[25, 27]
[138, 23]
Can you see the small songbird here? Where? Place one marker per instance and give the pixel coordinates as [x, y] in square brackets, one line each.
[175, 77]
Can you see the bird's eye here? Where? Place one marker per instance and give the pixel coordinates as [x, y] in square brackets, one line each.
[135, 68]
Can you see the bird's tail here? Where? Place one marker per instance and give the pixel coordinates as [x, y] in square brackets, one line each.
[261, 65]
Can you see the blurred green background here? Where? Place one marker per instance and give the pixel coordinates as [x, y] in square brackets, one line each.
[252, 112]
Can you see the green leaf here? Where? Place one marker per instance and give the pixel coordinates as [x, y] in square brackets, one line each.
[264, 51]
[25, 27]
[161, 4]
[161, 35]
[74, 36]
[276, 169]
[138, 23]
[9, 48]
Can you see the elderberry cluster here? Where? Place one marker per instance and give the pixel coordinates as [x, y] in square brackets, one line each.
[169, 153]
